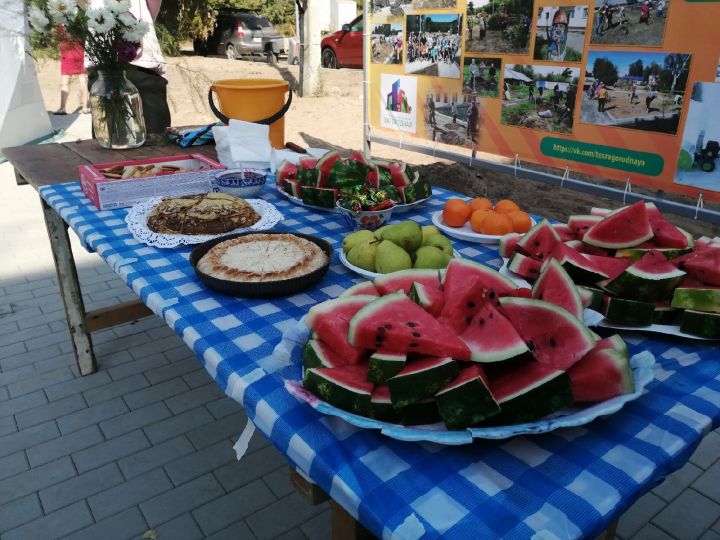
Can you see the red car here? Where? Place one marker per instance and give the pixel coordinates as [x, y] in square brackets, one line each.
[344, 48]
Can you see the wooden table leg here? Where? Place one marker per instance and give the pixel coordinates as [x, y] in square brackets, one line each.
[346, 527]
[609, 533]
[69, 289]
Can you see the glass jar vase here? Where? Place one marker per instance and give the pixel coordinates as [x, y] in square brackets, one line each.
[117, 114]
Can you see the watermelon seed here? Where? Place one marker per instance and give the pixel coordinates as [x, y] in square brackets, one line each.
[536, 243]
[416, 334]
[471, 304]
[381, 330]
[531, 345]
[481, 322]
[492, 295]
[468, 320]
[540, 256]
[491, 315]
[411, 324]
[552, 342]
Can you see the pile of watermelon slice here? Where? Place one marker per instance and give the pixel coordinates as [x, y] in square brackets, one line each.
[631, 264]
[319, 182]
[464, 346]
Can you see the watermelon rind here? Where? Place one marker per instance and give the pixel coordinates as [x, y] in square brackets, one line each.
[602, 212]
[601, 375]
[383, 365]
[524, 266]
[431, 300]
[315, 353]
[362, 288]
[631, 312]
[555, 286]
[636, 284]
[532, 401]
[580, 268]
[420, 379]
[329, 306]
[424, 411]
[508, 243]
[403, 279]
[395, 323]
[381, 407]
[285, 170]
[326, 384]
[553, 335]
[492, 338]
[701, 323]
[580, 223]
[465, 401]
[539, 241]
[564, 231]
[614, 342]
[666, 315]
[697, 299]
[325, 164]
[623, 228]
[592, 297]
[635, 254]
[318, 196]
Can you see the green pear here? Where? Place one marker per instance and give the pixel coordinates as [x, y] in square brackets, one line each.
[355, 238]
[438, 240]
[363, 254]
[431, 257]
[429, 230]
[390, 258]
[380, 231]
[407, 234]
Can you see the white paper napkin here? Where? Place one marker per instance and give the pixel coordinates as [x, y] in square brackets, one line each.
[250, 144]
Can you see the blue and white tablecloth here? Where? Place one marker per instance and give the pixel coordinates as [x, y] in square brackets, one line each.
[566, 484]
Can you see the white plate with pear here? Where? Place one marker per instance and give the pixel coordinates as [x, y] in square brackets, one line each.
[465, 232]
[433, 251]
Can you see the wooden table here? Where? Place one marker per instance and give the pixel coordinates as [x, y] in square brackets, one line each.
[47, 164]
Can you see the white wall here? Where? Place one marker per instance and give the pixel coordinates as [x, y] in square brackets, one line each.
[342, 12]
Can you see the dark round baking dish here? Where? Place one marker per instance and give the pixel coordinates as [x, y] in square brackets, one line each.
[254, 289]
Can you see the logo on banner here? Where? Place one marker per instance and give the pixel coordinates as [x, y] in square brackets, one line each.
[399, 95]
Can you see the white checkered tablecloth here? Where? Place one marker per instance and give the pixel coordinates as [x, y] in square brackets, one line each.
[566, 484]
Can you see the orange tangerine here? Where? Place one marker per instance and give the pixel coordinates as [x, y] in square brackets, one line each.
[481, 203]
[456, 212]
[477, 218]
[506, 205]
[496, 224]
[520, 220]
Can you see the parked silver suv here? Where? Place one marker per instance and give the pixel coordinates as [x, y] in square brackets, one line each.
[240, 32]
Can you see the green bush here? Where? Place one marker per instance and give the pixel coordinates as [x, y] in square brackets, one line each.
[168, 43]
[518, 35]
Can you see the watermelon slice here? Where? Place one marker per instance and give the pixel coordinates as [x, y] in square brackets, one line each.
[555, 286]
[396, 323]
[629, 312]
[665, 314]
[666, 234]
[623, 228]
[383, 365]
[491, 338]
[291, 187]
[307, 162]
[362, 288]
[578, 266]
[318, 196]
[539, 241]
[402, 174]
[424, 411]
[381, 406]
[602, 212]
[586, 249]
[420, 379]
[530, 392]
[508, 243]
[466, 400]
[554, 336]
[650, 279]
[430, 298]
[285, 171]
[565, 232]
[330, 321]
[359, 156]
[608, 266]
[700, 323]
[581, 223]
[316, 353]
[591, 297]
[637, 252]
[524, 266]
[703, 264]
[697, 298]
[344, 387]
[601, 374]
[467, 285]
[404, 279]
[325, 164]
[614, 342]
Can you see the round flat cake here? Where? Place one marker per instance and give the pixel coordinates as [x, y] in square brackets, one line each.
[205, 213]
[262, 257]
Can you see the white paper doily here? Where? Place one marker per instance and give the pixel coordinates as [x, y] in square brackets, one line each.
[136, 221]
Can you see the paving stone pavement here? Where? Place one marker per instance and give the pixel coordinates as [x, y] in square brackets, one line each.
[146, 443]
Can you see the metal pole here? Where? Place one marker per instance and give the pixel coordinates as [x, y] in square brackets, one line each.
[300, 11]
[680, 209]
[366, 78]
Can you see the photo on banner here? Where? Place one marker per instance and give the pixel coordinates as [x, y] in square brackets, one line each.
[389, 9]
[398, 95]
[481, 76]
[386, 43]
[698, 160]
[621, 22]
[434, 4]
[560, 33]
[447, 112]
[635, 89]
[539, 97]
[433, 44]
[499, 26]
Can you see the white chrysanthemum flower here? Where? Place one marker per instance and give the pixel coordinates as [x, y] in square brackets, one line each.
[117, 6]
[135, 33]
[100, 20]
[38, 20]
[62, 11]
[126, 18]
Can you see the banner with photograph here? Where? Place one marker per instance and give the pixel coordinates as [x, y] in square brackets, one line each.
[612, 88]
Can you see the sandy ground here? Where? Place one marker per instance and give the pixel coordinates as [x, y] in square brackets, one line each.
[493, 43]
[334, 120]
[637, 33]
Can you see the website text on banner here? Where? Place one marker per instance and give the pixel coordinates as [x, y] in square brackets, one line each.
[609, 88]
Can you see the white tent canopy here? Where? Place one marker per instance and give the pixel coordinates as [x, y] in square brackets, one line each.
[23, 116]
[516, 75]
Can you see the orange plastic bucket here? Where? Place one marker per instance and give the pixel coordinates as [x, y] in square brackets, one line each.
[254, 100]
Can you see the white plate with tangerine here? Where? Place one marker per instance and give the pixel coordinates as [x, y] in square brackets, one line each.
[480, 221]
